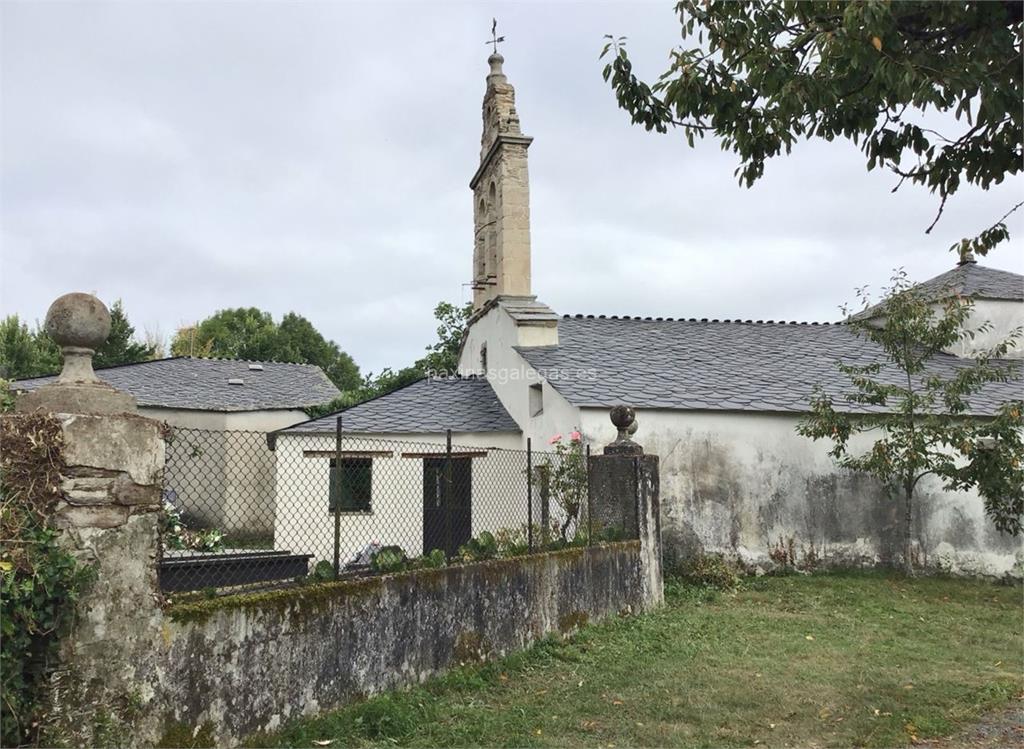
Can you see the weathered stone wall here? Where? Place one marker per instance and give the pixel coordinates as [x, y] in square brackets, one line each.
[249, 664]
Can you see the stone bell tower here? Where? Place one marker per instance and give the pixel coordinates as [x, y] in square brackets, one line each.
[501, 197]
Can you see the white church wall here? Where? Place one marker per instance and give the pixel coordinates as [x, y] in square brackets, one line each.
[737, 483]
[511, 377]
[304, 524]
[1004, 317]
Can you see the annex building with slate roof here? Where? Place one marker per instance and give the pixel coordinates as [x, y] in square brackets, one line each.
[220, 411]
[717, 400]
[216, 393]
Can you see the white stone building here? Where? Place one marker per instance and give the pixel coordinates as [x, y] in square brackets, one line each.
[717, 400]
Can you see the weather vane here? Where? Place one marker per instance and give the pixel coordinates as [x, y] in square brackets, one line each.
[495, 39]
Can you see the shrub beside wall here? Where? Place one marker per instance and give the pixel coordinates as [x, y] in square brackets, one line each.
[39, 580]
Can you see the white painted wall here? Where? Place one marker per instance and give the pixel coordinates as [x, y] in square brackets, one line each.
[189, 419]
[304, 524]
[738, 482]
[1004, 316]
[224, 476]
[511, 376]
[256, 421]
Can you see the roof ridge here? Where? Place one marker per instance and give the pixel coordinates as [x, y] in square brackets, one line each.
[346, 408]
[244, 361]
[732, 321]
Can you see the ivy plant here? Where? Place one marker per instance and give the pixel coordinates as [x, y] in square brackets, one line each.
[40, 581]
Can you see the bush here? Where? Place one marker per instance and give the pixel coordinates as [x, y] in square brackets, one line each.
[323, 571]
[39, 581]
[712, 571]
[512, 542]
[478, 549]
[389, 559]
[177, 536]
[435, 559]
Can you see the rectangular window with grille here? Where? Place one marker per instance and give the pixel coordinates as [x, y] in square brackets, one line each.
[351, 485]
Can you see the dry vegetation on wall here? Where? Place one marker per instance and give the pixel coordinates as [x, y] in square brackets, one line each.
[40, 580]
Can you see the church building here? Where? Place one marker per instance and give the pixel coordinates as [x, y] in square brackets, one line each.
[717, 400]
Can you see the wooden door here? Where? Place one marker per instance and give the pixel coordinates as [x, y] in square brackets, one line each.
[440, 531]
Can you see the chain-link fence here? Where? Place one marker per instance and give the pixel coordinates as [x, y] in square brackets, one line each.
[248, 509]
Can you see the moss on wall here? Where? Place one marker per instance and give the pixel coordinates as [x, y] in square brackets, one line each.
[178, 735]
[300, 601]
[245, 663]
[572, 621]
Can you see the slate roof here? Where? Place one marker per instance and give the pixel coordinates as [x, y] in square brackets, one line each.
[966, 279]
[700, 364]
[971, 279]
[462, 404]
[202, 384]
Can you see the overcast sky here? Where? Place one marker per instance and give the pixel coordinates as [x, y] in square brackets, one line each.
[310, 156]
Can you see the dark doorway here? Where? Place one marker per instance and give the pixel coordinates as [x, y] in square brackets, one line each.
[441, 530]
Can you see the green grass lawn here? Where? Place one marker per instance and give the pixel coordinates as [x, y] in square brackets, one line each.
[828, 660]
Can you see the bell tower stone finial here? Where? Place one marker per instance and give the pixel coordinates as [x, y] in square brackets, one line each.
[501, 193]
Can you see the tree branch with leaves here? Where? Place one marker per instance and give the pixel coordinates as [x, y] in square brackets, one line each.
[762, 75]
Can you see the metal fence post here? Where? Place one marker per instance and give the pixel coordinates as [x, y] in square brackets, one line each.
[337, 502]
[529, 494]
[590, 515]
[545, 504]
[448, 495]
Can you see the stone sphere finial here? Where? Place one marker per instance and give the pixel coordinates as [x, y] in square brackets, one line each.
[622, 417]
[79, 324]
[78, 320]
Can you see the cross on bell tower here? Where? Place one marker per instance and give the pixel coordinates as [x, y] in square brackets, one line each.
[501, 192]
[495, 39]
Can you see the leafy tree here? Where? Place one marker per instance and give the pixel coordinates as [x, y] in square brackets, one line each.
[921, 416]
[299, 341]
[443, 356]
[241, 333]
[761, 75]
[250, 333]
[48, 356]
[442, 359]
[184, 342]
[121, 346]
[18, 351]
[24, 352]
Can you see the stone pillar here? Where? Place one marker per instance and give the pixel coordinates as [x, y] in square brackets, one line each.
[108, 512]
[624, 496]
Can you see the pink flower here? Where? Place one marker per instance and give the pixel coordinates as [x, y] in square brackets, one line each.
[575, 436]
[555, 439]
